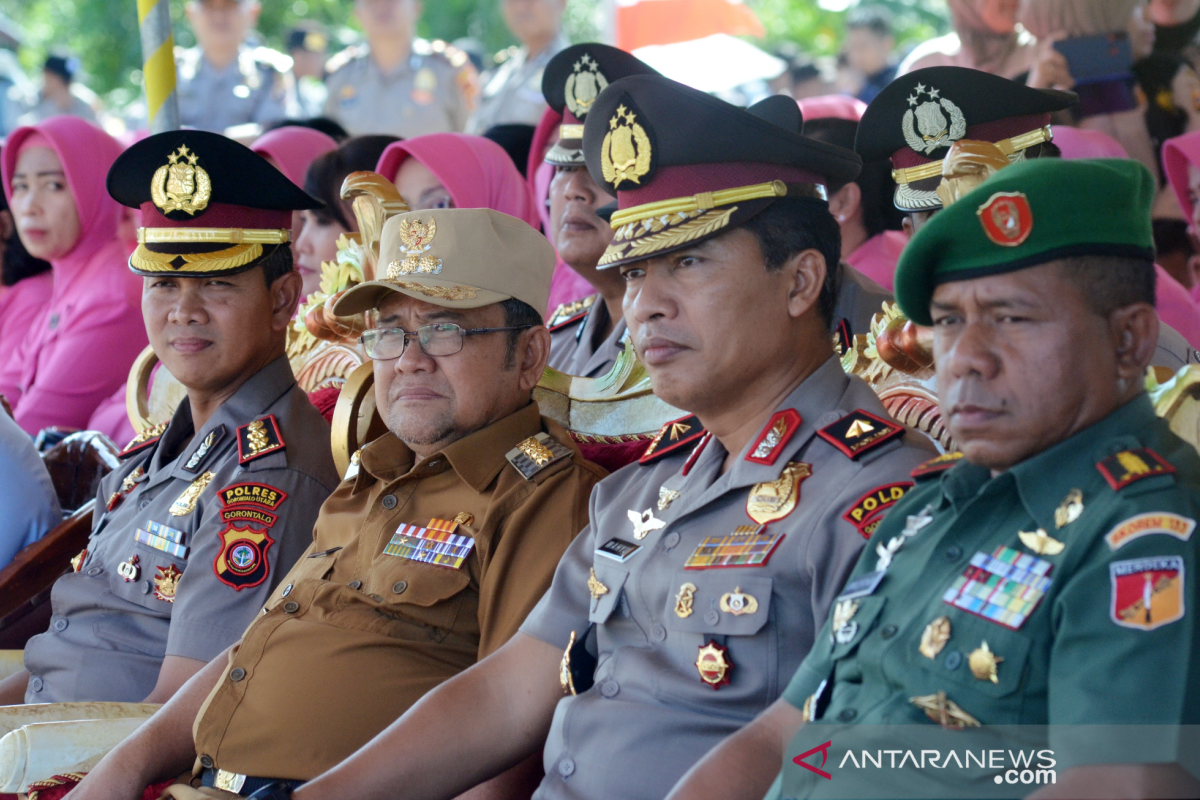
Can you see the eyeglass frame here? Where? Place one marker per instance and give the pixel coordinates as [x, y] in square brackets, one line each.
[463, 334]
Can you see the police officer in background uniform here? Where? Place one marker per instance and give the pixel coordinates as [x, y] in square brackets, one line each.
[1044, 575]
[224, 81]
[709, 566]
[373, 608]
[919, 116]
[512, 94]
[207, 511]
[394, 83]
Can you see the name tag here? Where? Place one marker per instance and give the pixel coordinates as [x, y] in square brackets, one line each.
[618, 550]
[747, 546]
[1004, 587]
[435, 544]
[163, 538]
[862, 587]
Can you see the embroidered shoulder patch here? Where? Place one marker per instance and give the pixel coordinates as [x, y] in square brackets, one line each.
[1149, 523]
[780, 428]
[242, 561]
[936, 466]
[252, 495]
[1147, 593]
[143, 440]
[569, 313]
[536, 453]
[258, 438]
[675, 435]
[867, 511]
[1127, 466]
[859, 432]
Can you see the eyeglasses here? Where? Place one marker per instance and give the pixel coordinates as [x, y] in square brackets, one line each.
[439, 339]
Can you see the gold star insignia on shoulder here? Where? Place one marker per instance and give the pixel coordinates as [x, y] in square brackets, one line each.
[1041, 542]
[534, 454]
[983, 663]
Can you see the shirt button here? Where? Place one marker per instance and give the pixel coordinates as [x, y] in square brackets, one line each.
[399, 587]
[206, 762]
[236, 674]
[60, 624]
[711, 617]
[888, 631]
[94, 571]
[145, 501]
[389, 501]
[609, 688]
[566, 768]
[356, 585]
[291, 607]
[659, 632]
[145, 587]
[953, 660]
[36, 684]
[671, 540]
[953, 553]
[286, 590]
[847, 714]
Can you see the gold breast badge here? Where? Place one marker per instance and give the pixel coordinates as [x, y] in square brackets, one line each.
[166, 581]
[186, 502]
[1041, 542]
[738, 603]
[595, 587]
[666, 497]
[684, 600]
[983, 663]
[775, 500]
[934, 637]
[1069, 509]
[944, 711]
[713, 664]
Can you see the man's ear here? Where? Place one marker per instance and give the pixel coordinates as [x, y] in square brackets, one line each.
[533, 357]
[907, 224]
[805, 273]
[846, 203]
[285, 297]
[1134, 332]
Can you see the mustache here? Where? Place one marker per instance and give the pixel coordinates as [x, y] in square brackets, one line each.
[968, 392]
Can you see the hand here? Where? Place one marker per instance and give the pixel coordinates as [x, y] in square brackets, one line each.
[1050, 70]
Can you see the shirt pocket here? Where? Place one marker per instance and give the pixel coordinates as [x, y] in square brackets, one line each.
[613, 579]
[1006, 649]
[158, 575]
[718, 602]
[313, 567]
[426, 594]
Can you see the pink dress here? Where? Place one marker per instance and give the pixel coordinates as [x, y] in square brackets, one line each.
[876, 257]
[81, 345]
[19, 306]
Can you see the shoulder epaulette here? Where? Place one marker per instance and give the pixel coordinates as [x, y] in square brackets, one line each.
[936, 466]
[534, 454]
[675, 435]
[273, 58]
[342, 58]
[570, 313]
[860, 432]
[258, 438]
[143, 440]
[843, 335]
[1123, 468]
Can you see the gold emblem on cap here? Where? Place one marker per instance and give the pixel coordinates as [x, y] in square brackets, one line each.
[934, 638]
[931, 129]
[181, 184]
[1069, 509]
[625, 153]
[584, 84]
[983, 663]
[1041, 542]
[417, 238]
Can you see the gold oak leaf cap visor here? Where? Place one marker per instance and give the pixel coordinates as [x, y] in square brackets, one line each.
[1025, 215]
[685, 166]
[209, 205]
[457, 258]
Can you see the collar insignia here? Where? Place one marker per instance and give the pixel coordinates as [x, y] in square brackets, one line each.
[935, 466]
[770, 443]
[214, 436]
[673, 436]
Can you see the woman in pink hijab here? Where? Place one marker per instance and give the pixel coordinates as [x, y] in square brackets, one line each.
[81, 346]
[457, 170]
[292, 148]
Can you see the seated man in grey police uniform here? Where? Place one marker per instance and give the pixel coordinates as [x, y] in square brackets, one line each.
[206, 512]
[707, 568]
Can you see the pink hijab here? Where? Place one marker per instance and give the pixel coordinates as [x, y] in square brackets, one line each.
[1084, 143]
[1177, 153]
[293, 148]
[475, 171]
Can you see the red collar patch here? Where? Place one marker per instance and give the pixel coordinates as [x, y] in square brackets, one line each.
[867, 511]
[1123, 468]
[859, 432]
[770, 443]
[935, 466]
[675, 435]
[144, 439]
[258, 438]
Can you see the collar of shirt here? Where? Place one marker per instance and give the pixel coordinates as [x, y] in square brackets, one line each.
[1045, 479]
[407, 66]
[477, 457]
[249, 402]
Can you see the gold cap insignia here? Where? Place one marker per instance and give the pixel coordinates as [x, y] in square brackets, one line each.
[925, 125]
[625, 153]
[181, 184]
[416, 237]
[584, 84]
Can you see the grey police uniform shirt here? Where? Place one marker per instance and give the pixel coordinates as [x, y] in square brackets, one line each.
[253, 88]
[574, 349]
[422, 95]
[512, 94]
[111, 626]
[649, 716]
[1173, 350]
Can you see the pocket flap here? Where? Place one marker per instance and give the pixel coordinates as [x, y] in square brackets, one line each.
[718, 601]
[413, 583]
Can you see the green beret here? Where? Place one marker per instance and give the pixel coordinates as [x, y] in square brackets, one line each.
[1027, 214]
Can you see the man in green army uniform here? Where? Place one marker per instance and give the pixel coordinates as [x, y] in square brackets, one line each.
[1043, 575]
